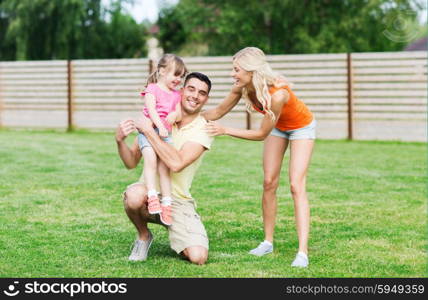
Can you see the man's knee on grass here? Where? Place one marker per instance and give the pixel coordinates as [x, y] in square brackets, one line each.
[135, 197]
[196, 255]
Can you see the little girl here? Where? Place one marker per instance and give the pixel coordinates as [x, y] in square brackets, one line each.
[162, 106]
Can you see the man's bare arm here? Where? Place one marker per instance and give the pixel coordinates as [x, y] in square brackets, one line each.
[176, 160]
[130, 156]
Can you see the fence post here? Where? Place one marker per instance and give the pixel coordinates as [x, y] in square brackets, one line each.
[248, 117]
[350, 97]
[70, 125]
[151, 66]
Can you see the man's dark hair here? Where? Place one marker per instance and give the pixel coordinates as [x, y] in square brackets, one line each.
[201, 77]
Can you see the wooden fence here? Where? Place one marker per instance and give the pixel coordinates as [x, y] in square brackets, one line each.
[375, 96]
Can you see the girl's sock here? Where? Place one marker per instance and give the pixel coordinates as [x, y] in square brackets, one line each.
[166, 200]
[151, 193]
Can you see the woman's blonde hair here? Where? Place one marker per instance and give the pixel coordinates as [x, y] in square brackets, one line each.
[168, 61]
[252, 59]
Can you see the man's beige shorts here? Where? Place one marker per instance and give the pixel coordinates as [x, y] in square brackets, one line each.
[187, 228]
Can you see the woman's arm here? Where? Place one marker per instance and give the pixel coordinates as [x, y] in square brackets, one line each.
[279, 99]
[225, 106]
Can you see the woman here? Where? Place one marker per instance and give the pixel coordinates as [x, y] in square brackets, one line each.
[286, 121]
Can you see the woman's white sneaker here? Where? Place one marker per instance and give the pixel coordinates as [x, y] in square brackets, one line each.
[301, 260]
[263, 248]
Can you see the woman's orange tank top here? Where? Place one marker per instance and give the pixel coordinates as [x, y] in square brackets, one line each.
[294, 114]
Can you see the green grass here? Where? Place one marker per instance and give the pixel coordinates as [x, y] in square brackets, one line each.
[61, 212]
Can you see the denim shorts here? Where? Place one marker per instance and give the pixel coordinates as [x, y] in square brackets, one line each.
[144, 142]
[304, 133]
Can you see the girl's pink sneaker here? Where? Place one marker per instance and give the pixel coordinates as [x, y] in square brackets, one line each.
[166, 215]
[153, 205]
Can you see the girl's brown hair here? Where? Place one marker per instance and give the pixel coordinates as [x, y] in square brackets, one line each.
[168, 61]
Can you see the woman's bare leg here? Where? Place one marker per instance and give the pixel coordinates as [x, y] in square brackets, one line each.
[273, 154]
[300, 157]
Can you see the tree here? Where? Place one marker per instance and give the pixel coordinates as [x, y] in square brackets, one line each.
[287, 26]
[7, 47]
[67, 29]
[171, 31]
[41, 29]
[124, 38]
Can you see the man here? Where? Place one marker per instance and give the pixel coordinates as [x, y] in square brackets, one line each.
[187, 234]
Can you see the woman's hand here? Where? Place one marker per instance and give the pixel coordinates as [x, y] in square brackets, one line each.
[215, 129]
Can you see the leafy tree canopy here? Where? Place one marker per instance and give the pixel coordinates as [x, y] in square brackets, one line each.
[289, 26]
[68, 29]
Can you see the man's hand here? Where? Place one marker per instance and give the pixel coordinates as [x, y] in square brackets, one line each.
[163, 132]
[214, 129]
[144, 124]
[124, 129]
